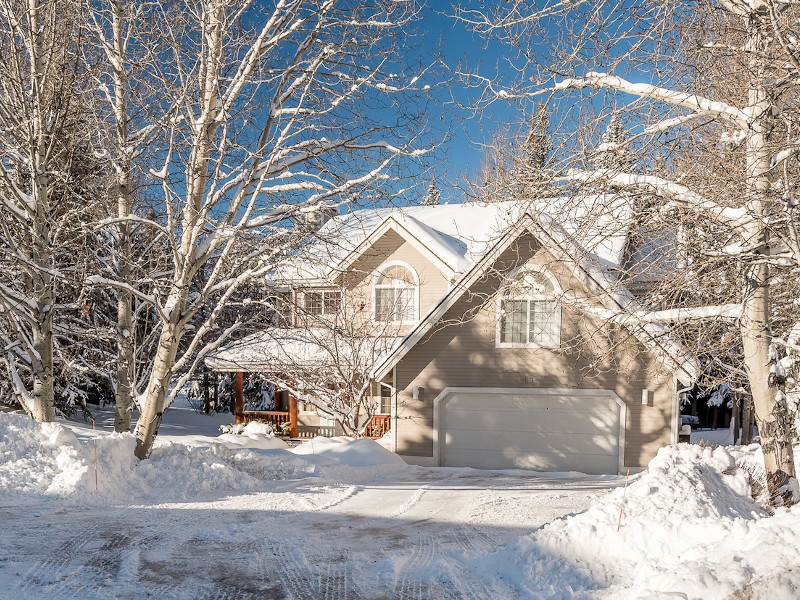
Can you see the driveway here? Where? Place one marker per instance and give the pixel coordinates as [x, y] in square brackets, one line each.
[417, 535]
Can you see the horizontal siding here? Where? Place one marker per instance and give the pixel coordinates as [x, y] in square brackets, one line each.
[593, 355]
[392, 247]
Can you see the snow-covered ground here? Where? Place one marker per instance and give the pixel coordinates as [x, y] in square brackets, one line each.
[239, 517]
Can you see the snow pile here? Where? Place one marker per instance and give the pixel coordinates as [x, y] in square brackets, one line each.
[49, 460]
[689, 528]
[38, 459]
[353, 453]
[252, 435]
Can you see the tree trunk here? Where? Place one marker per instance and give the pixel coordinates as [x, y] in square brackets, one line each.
[153, 403]
[771, 413]
[125, 359]
[747, 420]
[43, 409]
[41, 279]
[122, 420]
[737, 419]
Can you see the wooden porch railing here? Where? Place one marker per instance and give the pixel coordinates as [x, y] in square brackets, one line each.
[379, 425]
[276, 418]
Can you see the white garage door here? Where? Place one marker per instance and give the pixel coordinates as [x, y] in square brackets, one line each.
[540, 430]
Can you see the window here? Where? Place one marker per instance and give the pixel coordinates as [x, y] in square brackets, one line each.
[386, 400]
[530, 313]
[326, 302]
[396, 290]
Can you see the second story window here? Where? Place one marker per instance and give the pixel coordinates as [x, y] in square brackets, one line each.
[530, 312]
[396, 294]
[325, 302]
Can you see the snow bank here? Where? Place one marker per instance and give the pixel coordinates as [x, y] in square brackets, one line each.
[689, 528]
[38, 459]
[253, 435]
[49, 460]
[354, 453]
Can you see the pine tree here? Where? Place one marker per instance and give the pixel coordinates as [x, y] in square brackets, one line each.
[536, 151]
[612, 153]
[434, 197]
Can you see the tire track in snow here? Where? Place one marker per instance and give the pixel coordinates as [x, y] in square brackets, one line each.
[80, 567]
[408, 505]
[56, 572]
[348, 493]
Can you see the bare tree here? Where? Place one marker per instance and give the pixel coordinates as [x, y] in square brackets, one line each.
[266, 115]
[710, 157]
[39, 130]
[325, 360]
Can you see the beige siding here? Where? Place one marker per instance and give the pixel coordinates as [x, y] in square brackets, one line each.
[593, 355]
[392, 247]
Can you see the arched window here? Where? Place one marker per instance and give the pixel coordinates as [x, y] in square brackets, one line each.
[530, 312]
[396, 291]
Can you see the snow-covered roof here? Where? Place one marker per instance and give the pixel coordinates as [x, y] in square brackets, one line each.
[457, 236]
[590, 232]
[277, 348]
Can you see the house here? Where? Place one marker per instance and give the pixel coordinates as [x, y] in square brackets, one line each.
[506, 340]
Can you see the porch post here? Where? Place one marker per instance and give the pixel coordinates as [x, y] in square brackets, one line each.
[293, 430]
[239, 396]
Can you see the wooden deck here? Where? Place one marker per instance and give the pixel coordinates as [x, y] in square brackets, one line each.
[377, 428]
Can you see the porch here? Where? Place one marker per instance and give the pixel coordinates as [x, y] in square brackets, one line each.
[288, 421]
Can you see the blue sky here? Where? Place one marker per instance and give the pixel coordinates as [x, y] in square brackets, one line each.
[461, 154]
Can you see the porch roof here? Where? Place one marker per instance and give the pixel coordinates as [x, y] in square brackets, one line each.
[280, 349]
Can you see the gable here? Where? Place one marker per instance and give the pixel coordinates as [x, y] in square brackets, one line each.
[392, 248]
[569, 259]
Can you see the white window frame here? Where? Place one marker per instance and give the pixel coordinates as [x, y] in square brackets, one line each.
[326, 309]
[375, 287]
[555, 296]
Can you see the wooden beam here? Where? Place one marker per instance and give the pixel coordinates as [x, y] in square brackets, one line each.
[293, 429]
[239, 391]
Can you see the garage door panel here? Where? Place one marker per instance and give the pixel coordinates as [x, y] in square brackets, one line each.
[530, 442]
[533, 421]
[512, 402]
[542, 461]
[530, 430]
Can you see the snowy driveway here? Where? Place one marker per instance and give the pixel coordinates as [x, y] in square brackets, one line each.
[417, 535]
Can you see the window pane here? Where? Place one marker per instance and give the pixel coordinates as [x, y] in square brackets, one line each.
[384, 304]
[397, 276]
[386, 400]
[331, 301]
[543, 322]
[405, 305]
[513, 324]
[312, 302]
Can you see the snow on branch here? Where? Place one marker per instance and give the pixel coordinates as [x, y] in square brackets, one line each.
[110, 222]
[99, 280]
[673, 315]
[693, 102]
[667, 124]
[663, 188]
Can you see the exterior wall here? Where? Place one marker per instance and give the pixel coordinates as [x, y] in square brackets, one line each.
[389, 248]
[592, 355]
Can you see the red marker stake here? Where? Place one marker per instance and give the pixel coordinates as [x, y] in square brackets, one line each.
[625, 489]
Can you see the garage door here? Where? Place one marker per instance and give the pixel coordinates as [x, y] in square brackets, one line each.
[539, 430]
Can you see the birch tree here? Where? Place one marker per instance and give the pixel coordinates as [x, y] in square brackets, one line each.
[708, 95]
[39, 123]
[267, 114]
[119, 32]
